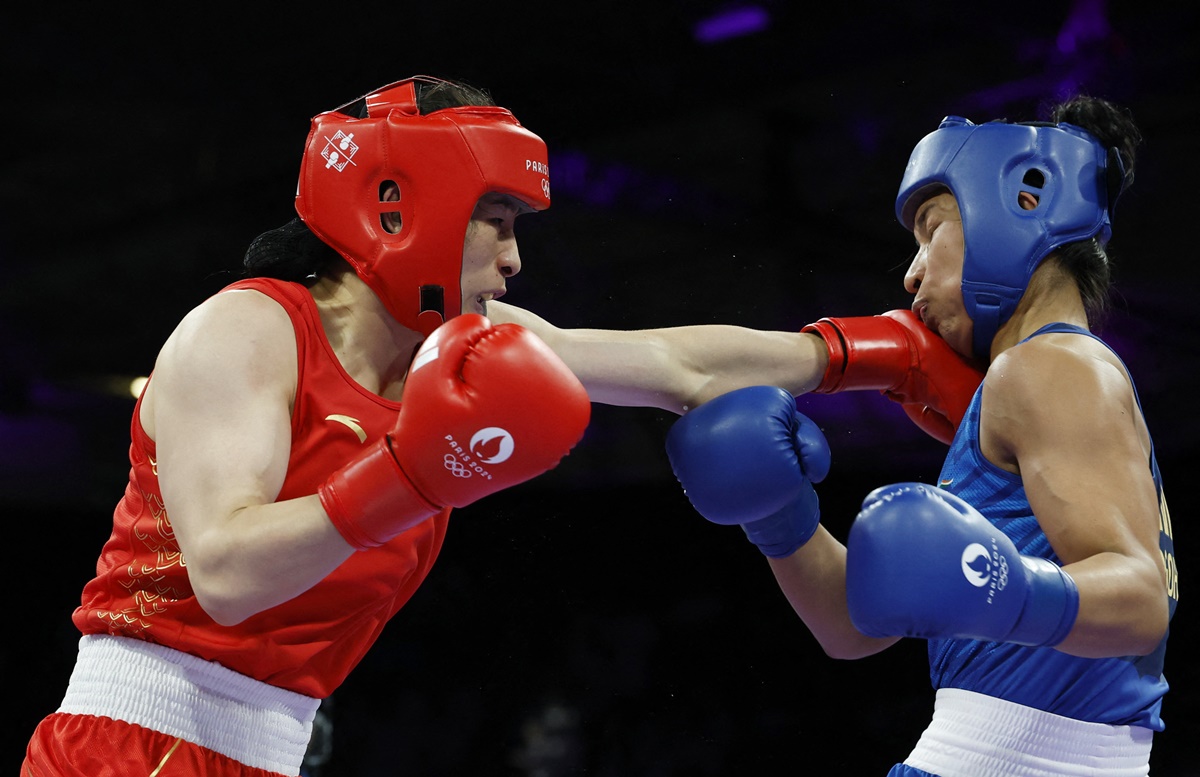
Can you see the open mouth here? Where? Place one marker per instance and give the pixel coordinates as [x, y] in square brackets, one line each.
[482, 300]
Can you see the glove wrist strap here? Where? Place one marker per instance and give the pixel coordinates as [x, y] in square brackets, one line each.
[1051, 605]
[371, 500]
[865, 352]
[782, 534]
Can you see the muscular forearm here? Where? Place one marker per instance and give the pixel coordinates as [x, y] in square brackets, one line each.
[814, 581]
[678, 368]
[719, 359]
[260, 556]
[1122, 607]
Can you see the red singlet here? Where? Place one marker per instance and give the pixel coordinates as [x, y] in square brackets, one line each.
[309, 644]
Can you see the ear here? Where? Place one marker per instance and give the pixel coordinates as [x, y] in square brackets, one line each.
[1027, 201]
[389, 191]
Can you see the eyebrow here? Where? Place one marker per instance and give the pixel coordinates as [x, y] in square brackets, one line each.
[506, 201]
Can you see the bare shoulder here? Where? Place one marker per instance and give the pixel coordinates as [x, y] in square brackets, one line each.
[235, 341]
[1055, 388]
[233, 311]
[241, 329]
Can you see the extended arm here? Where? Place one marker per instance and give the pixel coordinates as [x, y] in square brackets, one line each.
[681, 367]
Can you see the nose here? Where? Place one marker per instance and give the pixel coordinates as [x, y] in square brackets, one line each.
[915, 273]
[509, 261]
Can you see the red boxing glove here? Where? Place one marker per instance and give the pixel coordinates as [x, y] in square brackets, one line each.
[485, 407]
[898, 355]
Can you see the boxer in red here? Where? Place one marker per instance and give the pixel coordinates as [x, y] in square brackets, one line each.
[305, 432]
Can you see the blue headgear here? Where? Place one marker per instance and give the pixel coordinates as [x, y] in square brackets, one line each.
[986, 166]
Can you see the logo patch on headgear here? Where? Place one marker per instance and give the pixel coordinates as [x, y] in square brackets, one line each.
[339, 151]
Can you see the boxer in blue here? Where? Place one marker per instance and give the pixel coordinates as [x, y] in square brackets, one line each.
[1040, 568]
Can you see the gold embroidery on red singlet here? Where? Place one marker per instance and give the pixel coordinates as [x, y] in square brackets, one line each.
[148, 583]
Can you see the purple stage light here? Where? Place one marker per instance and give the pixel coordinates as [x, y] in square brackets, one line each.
[615, 185]
[1087, 23]
[732, 23]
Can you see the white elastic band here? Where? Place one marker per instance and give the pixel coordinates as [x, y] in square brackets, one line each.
[974, 735]
[183, 696]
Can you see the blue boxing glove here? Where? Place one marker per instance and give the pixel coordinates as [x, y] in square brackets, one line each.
[921, 562]
[748, 458]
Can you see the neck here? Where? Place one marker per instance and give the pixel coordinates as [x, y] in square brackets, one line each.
[1052, 296]
[373, 348]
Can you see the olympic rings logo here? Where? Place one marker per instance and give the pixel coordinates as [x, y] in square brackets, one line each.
[456, 468]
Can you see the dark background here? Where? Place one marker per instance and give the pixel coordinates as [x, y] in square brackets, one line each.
[588, 622]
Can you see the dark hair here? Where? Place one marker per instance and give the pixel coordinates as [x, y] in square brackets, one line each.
[1087, 261]
[434, 95]
[292, 252]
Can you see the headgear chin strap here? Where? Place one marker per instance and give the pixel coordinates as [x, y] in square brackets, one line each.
[442, 163]
[986, 167]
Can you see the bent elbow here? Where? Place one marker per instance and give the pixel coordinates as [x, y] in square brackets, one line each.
[841, 653]
[224, 610]
[1152, 631]
[1146, 648]
[1138, 632]
[854, 648]
[1150, 628]
[222, 600]
[226, 617]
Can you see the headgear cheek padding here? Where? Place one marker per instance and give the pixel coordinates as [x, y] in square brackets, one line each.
[986, 167]
[442, 163]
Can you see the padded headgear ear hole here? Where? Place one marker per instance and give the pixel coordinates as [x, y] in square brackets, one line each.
[391, 220]
[1033, 179]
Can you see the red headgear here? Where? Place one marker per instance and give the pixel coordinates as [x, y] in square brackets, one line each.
[442, 162]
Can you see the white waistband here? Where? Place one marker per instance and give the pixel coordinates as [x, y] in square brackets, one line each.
[199, 701]
[973, 735]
